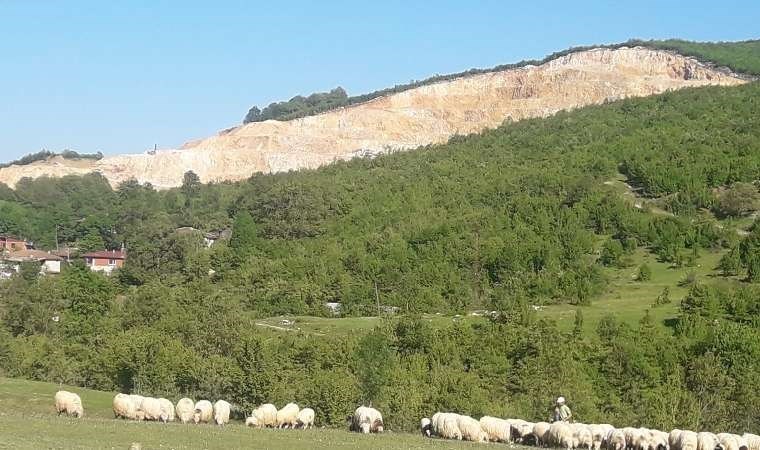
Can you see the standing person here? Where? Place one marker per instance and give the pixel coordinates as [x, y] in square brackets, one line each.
[561, 412]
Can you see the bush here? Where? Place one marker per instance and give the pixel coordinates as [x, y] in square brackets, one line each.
[644, 273]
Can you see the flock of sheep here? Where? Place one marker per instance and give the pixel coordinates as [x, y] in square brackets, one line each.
[137, 407]
[572, 436]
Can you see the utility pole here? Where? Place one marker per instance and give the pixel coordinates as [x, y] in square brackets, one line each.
[377, 299]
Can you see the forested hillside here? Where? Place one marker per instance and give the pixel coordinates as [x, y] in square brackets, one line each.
[519, 216]
[738, 56]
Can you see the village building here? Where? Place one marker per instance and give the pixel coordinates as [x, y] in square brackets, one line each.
[11, 243]
[211, 237]
[11, 262]
[105, 261]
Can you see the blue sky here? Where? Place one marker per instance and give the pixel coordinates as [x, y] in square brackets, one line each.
[122, 76]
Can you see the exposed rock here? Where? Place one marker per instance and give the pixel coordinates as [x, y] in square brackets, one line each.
[425, 115]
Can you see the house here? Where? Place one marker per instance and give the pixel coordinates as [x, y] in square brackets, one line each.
[105, 260]
[49, 263]
[211, 237]
[10, 243]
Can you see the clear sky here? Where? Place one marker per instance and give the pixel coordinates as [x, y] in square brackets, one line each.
[122, 76]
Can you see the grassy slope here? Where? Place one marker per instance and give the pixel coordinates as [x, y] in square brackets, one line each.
[625, 298]
[28, 421]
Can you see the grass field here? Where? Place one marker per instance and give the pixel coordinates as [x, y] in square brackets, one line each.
[28, 421]
[625, 297]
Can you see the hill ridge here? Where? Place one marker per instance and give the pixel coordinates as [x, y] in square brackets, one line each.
[429, 114]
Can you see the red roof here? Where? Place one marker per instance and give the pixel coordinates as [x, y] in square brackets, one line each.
[107, 254]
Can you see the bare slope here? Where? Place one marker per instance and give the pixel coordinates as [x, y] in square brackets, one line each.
[425, 115]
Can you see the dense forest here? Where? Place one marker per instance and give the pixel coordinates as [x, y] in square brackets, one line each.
[514, 217]
[738, 56]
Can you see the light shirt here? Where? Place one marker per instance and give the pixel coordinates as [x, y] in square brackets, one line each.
[562, 413]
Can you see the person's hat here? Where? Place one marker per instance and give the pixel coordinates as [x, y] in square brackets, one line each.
[561, 400]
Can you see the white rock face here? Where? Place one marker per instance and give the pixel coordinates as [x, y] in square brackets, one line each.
[425, 115]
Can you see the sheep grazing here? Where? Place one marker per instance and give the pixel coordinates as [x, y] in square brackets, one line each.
[305, 418]
[153, 410]
[615, 440]
[561, 435]
[598, 434]
[167, 409]
[732, 441]
[520, 429]
[470, 429]
[642, 439]
[202, 412]
[221, 412]
[631, 437]
[708, 441]
[124, 407]
[497, 430]
[753, 441]
[68, 403]
[426, 426]
[449, 426]
[184, 410]
[660, 440]
[287, 417]
[686, 440]
[263, 416]
[582, 436]
[367, 420]
[541, 433]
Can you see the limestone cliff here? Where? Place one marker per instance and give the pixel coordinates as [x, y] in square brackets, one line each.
[406, 120]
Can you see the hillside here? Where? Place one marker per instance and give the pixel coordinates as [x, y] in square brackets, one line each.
[429, 114]
[614, 243]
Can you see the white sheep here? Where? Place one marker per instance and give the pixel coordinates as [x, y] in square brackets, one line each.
[496, 429]
[541, 433]
[520, 429]
[470, 429]
[642, 439]
[221, 412]
[203, 411]
[687, 440]
[631, 437]
[124, 407]
[450, 426]
[68, 403]
[615, 440]
[753, 441]
[153, 410]
[263, 416]
[708, 441]
[561, 435]
[366, 420]
[287, 417]
[167, 409]
[425, 426]
[582, 436]
[599, 433]
[305, 418]
[673, 438]
[185, 409]
[733, 441]
[660, 440]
